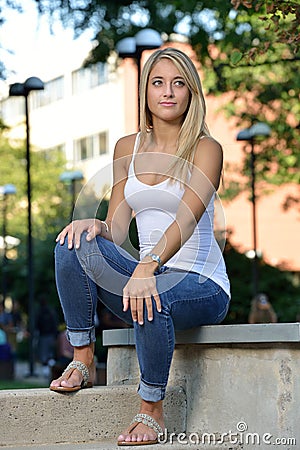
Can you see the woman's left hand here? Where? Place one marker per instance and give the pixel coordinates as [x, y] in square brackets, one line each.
[140, 289]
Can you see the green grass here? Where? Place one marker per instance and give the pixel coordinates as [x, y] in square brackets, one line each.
[21, 384]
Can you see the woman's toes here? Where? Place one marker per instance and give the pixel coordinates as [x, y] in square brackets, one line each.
[142, 437]
[75, 379]
[131, 438]
[66, 383]
[140, 434]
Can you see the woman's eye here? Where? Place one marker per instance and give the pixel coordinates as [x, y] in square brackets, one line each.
[156, 82]
[179, 83]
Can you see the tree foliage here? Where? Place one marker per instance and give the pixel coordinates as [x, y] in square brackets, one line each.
[249, 48]
[50, 210]
[277, 284]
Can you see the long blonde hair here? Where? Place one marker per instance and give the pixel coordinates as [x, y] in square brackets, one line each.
[193, 126]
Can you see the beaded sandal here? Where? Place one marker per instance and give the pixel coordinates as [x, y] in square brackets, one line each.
[83, 369]
[149, 422]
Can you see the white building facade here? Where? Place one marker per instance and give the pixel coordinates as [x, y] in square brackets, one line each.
[82, 112]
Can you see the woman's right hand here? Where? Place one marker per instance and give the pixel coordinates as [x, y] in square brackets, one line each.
[74, 230]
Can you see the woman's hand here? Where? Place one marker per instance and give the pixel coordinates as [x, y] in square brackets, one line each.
[141, 288]
[74, 230]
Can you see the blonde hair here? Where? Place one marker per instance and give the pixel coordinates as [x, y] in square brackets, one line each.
[193, 126]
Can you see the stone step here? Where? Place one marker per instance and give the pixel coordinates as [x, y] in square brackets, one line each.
[39, 416]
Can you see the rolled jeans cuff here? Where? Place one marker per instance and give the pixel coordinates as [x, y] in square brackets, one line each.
[151, 393]
[80, 338]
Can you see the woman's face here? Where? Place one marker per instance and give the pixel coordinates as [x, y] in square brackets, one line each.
[167, 93]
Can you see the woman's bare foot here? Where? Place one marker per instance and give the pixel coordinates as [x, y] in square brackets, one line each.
[73, 378]
[141, 432]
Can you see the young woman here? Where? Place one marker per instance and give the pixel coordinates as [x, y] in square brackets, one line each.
[167, 175]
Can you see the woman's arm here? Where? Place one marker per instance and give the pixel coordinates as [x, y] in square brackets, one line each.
[116, 225]
[204, 182]
[119, 213]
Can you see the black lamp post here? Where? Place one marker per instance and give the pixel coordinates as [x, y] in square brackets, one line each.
[70, 178]
[17, 90]
[133, 47]
[251, 134]
[7, 189]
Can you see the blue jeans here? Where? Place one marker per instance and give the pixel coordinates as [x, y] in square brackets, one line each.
[99, 269]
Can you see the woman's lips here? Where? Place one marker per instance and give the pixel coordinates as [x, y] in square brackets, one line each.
[167, 103]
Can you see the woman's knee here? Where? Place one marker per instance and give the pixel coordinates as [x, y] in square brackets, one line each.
[64, 257]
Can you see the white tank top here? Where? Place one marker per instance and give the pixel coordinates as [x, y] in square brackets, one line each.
[155, 208]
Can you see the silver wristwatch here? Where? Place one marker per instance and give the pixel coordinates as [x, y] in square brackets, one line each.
[155, 258]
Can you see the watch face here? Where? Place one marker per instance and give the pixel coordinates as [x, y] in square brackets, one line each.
[155, 258]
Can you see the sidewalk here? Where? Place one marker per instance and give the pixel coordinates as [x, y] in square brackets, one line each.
[44, 374]
[22, 372]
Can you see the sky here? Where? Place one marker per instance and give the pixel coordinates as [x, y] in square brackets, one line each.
[27, 47]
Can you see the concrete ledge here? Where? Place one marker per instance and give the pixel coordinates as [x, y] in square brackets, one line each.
[231, 374]
[40, 416]
[217, 334]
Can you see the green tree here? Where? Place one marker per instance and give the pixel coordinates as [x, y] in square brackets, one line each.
[277, 284]
[249, 48]
[51, 207]
[50, 211]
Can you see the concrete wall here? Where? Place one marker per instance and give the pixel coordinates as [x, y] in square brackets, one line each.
[252, 389]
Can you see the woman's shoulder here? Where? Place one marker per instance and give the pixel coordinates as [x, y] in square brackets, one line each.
[208, 142]
[208, 146]
[125, 145]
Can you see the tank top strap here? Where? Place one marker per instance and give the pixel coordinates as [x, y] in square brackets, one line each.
[136, 144]
[135, 149]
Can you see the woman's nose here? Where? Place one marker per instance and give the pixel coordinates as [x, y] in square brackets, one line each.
[168, 90]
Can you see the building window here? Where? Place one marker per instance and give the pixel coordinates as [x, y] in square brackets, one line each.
[102, 143]
[89, 77]
[84, 148]
[90, 146]
[54, 91]
[12, 109]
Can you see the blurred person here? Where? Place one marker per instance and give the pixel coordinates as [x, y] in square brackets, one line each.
[261, 310]
[46, 324]
[18, 323]
[6, 322]
[6, 353]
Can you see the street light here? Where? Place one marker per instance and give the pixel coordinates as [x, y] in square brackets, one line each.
[133, 47]
[7, 189]
[23, 90]
[259, 129]
[70, 178]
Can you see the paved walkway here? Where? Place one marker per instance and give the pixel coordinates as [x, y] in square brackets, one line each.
[41, 374]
